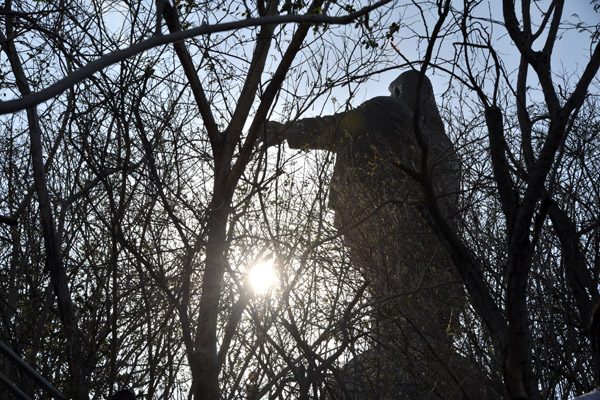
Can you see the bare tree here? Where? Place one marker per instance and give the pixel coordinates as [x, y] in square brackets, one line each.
[136, 194]
[507, 282]
[137, 173]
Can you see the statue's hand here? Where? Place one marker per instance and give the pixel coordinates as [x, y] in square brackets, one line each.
[272, 135]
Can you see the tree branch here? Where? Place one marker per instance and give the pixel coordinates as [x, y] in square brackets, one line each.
[172, 19]
[91, 68]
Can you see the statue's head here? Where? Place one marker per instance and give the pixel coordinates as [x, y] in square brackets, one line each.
[405, 86]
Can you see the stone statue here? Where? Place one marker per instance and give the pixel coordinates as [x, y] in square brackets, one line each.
[371, 138]
[412, 279]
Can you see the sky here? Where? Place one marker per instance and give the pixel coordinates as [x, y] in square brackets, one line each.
[571, 53]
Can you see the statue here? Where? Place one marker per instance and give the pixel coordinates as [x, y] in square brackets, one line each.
[412, 279]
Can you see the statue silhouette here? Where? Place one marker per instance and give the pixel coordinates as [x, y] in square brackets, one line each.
[393, 246]
[414, 285]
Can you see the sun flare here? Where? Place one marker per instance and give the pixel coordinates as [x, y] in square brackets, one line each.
[262, 276]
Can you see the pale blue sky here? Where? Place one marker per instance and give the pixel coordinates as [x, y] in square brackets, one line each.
[571, 52]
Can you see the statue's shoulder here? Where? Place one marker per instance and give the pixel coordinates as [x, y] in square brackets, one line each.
[387, 103]
[385, 107]
[385, 100]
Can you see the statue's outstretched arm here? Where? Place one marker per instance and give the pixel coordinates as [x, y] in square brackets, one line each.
[319, 133]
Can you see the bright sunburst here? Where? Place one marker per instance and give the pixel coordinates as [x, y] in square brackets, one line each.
[262, 276]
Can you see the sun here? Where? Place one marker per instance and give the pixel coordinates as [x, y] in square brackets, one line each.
[262, 276]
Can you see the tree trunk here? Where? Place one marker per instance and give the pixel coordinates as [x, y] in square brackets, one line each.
[205, 366]
[54, 263]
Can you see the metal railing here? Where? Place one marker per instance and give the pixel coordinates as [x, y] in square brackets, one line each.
[12, 356]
